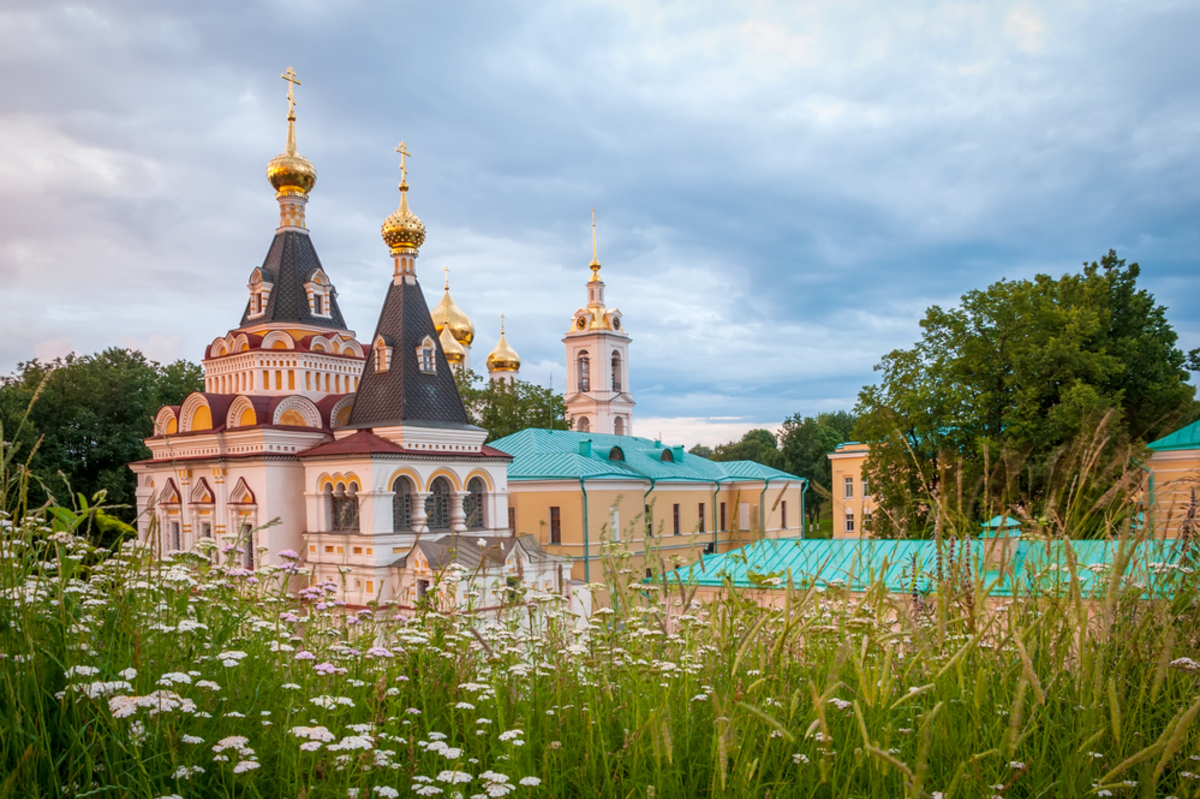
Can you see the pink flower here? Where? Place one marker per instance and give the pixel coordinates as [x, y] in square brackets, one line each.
[325, 668]
[290, 554]
[304, 654]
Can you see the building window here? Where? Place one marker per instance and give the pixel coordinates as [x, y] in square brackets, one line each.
[865, 489]
[619, 426]
[402, 507]
[512, 520]
[383, 356]
[176, 536]
[649, 520]
[583, 425]
[616, 371]
[866, 523]
[649, 574]
[848, 486]
[783, 515]
[849, 521]
[345, 508]
[426, 359]
[422, 589]
[723, 527]
[318, 304]
[675, 518]
[205, 529]
[585, 365]
[473, 504]
[702, 517]
[437, 504]
[555, 526]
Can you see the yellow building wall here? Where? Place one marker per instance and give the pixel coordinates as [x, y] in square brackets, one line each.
[532, 503]
[848, 463]
[1175, 474]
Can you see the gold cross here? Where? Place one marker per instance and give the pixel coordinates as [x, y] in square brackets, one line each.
[502, 324]
[446, 269]
[403, 170]
[293, 81]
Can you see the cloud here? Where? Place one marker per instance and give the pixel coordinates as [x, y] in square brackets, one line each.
[781, 188]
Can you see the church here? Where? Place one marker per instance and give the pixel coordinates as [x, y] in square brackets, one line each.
[357, 457]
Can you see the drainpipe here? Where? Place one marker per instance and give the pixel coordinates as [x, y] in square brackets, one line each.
[587, 550]
[716, 514]
[803, 491]
[649, 524]
[762, 520]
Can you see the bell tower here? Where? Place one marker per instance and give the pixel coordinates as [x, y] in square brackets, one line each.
[597, 391]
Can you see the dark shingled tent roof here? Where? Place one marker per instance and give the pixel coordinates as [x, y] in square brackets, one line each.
[289, 264]
[404, 394]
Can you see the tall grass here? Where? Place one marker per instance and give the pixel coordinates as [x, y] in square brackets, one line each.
[126, 674]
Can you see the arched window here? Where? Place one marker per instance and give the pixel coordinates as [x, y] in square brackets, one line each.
[582, 424]
[345, 508]
[473, 504]
[616, 372]
[619, 426]
[402, 507]
[437, 504]
[585, 367]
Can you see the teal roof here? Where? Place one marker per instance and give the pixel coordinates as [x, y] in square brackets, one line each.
[858, 563]
[1184, 438]
[556, 455]
[998, 526]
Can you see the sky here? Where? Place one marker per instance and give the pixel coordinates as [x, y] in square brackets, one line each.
[781, 189]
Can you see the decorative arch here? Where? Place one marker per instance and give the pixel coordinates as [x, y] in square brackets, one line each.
[278, 340]
[202, 494]
[616, 454]
[427, 356]
[170, 493]
[455, 483]
[241, 413]
[218, 348]
[333, 480]
[616, 371]
[352, 347]
[339, 414]
[297, 411]
[481, 474]
[241, 494]
[195, 414]
[583, 425]
[583, 364]
[241, 343]
[165, 421]
[319, 344]
[619, 426]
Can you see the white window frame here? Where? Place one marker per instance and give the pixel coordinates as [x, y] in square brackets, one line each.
[847, 488]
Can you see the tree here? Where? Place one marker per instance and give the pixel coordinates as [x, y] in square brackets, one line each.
[702, 450]
[805, 443]
[758, 445]
[502, 407]
[977, 409]
[89, 421]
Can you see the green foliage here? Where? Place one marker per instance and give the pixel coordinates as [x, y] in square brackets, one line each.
[1012, 377]
[93, 412]
[757, 445]
[503, 408]
[805, 444]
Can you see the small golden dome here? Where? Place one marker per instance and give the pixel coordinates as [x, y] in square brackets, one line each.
[291, 173]
[403, 228]
[454, 351]
[448, 314]
[504, 358]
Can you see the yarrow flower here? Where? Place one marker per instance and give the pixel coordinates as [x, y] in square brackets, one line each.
[244, 766]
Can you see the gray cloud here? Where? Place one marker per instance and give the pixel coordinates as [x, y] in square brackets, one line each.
[781, 188]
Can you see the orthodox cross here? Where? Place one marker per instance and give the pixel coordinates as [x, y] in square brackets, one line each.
[403, 169]
[293, 81]
[446, 269]
[502, 324]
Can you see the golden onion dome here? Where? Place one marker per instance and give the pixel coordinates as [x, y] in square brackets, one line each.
[503, 358]
[448, 314]
[454, 351]
[403, 229]
[291, 173]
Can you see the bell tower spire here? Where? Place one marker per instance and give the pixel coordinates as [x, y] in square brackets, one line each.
[597, 391]
[292, 175]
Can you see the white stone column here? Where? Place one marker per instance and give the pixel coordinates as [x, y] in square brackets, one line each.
[420, 519]
[458, 515]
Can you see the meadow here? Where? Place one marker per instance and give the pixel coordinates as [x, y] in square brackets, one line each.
[126, 674]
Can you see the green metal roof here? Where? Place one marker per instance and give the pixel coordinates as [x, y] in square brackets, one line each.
[556, 455]
[858, 563]
[1184, 438]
